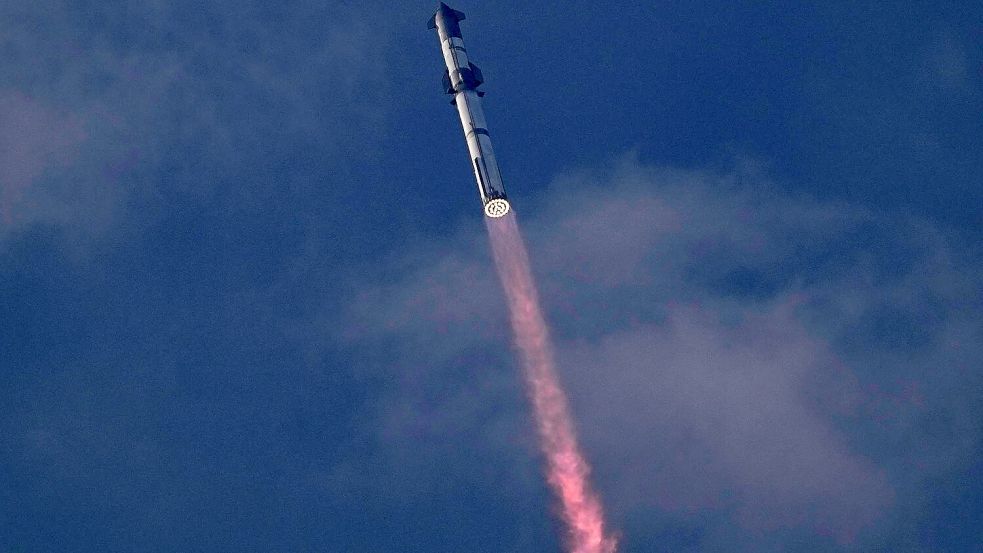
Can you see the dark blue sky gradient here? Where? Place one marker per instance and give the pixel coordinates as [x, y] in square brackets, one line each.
[246, 303]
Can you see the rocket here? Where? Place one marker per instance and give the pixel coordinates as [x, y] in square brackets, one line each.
[462, 79]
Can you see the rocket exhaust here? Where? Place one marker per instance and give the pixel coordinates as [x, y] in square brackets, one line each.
[567, 471]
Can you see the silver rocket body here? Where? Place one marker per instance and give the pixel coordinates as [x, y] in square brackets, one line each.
[462, 79]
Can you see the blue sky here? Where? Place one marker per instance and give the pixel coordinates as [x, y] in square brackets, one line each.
[246, 302]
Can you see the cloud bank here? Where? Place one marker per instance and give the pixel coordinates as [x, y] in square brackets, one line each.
[749, 370]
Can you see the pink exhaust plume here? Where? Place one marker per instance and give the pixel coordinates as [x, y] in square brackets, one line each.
[567, 470]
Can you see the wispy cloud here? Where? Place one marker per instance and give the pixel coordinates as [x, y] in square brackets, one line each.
[944, 67]
[35, 138]
[104, 108]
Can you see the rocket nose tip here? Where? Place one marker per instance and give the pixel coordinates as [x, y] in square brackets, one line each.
[449, 11]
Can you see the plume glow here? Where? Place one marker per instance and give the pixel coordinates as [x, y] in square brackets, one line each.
[567, 471]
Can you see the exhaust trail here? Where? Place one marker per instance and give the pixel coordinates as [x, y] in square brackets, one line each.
[566, 469]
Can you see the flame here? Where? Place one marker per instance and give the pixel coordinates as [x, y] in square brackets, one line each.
[566, 469]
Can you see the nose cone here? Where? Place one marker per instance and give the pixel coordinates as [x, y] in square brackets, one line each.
[449, 11]
[448, 17]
